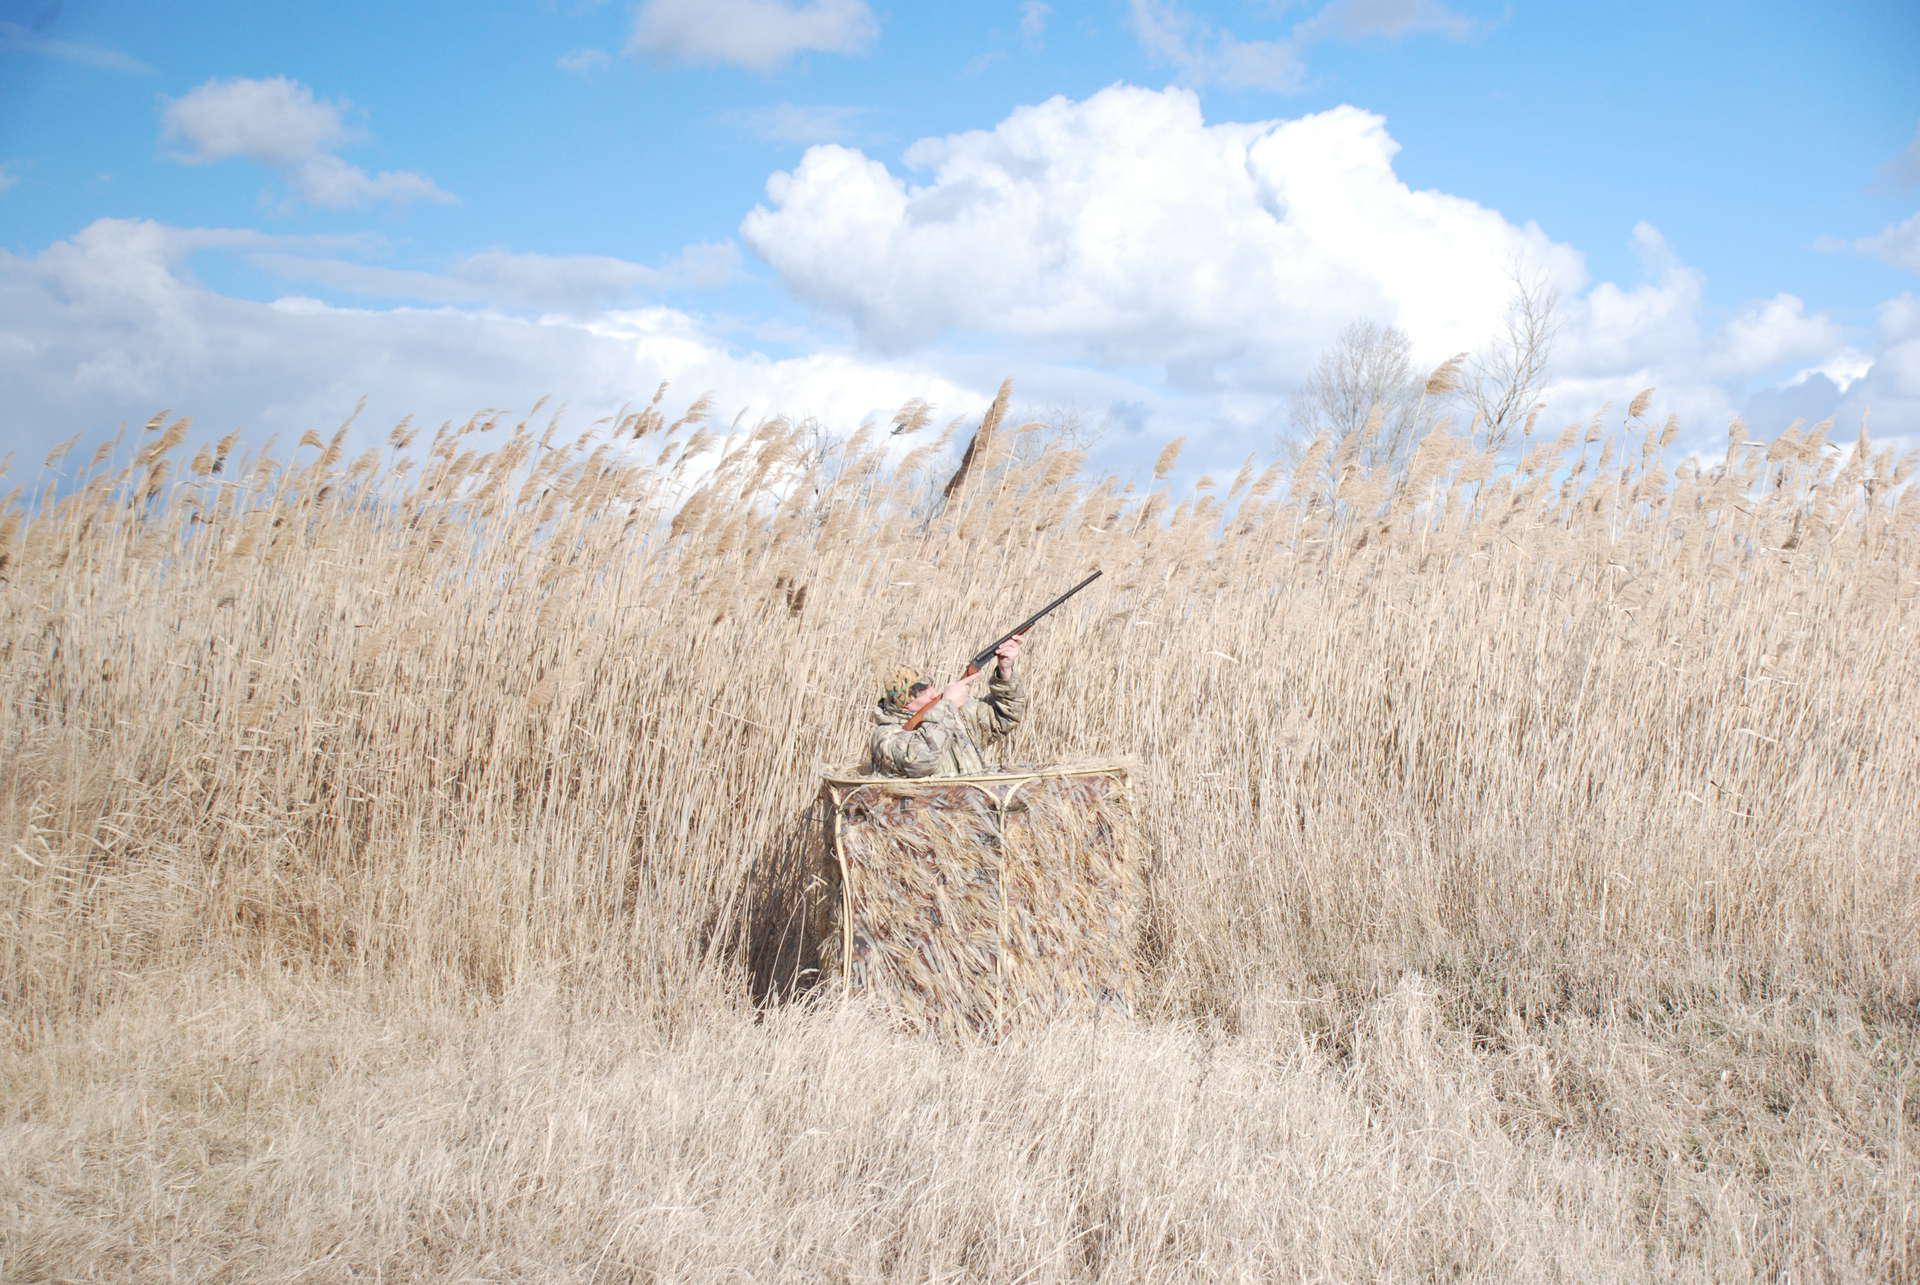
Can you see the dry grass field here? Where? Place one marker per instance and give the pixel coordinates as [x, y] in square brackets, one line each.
[397, 853]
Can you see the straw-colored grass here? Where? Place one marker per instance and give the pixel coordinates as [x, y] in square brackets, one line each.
[395, 848]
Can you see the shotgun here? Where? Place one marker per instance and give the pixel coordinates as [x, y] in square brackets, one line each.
[981, 661]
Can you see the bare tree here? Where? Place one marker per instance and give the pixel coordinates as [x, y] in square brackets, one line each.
[1501, 384]
[1363, 396]
[1069, 425]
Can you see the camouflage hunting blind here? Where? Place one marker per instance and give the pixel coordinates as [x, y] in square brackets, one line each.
[979, 903]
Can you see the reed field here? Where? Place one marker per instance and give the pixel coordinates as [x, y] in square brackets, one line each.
[402, 847]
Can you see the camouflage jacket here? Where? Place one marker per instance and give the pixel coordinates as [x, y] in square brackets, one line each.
[949, 742]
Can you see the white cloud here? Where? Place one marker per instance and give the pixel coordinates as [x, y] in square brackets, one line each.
[1619, 339]
[1883, 385]
[279, 123]
[7, 179]
[1204, 54]
[1119, 256]
[1614, 328]
[276, 121]
[756, 34]
[1843, 370]
[1897, 368]
[1124, 235]
[583, 62]
[15, 38]
[1898, 244]
[331, 182]
[109, 326]
[1126, 229]
[790, 123]
[1771, 332]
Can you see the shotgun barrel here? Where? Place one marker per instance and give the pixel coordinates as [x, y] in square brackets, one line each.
[980, 661]
[983, 659]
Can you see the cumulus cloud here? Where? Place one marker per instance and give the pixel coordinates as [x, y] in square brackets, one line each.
[1896, 369]
[1882, 387]
[1842, 370]
[1771, 332]
[279, 123]
[1771, 361]
[110, 325]
[1624, 328]
[1130, 263]
[759, 35]
[1127, 229]
[1652, 331]
[1124, 233]
[276, 121]
[1898, 319]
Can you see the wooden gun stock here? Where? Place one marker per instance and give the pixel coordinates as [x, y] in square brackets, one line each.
[920, 716]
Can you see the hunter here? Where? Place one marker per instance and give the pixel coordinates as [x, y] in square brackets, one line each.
[949, 740]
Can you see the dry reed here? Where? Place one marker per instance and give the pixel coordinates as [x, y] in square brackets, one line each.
[391, 842]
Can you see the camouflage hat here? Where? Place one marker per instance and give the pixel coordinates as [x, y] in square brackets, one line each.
[902, 682]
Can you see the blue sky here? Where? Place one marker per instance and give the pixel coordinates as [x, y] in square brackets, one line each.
[1152, 214]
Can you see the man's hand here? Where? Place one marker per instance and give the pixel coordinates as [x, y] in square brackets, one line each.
[1007, 651]
[960, 690]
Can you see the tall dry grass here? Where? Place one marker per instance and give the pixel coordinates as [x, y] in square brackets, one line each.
[401, 855]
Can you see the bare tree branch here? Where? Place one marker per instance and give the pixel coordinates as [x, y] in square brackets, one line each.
[1363, 397]
[1502, 383]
